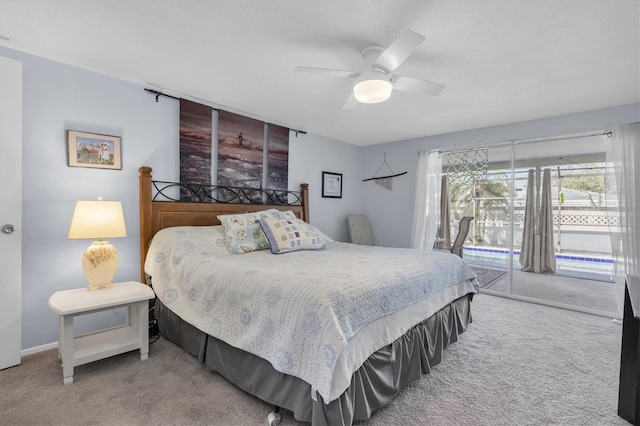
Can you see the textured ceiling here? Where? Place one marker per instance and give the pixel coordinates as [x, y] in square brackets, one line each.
[502, 61]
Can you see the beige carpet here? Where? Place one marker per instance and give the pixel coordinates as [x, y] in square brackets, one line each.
[518, 364]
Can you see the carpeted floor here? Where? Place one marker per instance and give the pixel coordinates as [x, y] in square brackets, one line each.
[517, 364]
[486, 276]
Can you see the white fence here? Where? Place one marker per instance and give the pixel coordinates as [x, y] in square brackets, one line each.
[580, 231]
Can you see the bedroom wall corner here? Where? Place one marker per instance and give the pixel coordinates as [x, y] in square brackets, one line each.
[59, 97]
[56, 98]
[391, 212]
[309, 156]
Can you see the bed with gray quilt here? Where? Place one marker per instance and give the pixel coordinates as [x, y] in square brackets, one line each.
[330, 331]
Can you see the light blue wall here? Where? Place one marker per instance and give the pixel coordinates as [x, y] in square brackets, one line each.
[390, 212]
[309, 156]
[59, 97]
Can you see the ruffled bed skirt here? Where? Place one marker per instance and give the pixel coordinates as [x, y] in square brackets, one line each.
[372, 386]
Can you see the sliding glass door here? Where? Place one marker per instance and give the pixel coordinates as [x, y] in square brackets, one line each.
[540, 229]
[480, 183]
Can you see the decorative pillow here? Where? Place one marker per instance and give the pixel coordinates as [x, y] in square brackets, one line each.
[243, 234]
[286, 214]
[324, 238]
[220, 241]
[287, 235]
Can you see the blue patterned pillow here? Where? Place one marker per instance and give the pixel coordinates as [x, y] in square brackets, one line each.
[243, 234]
[287, 235]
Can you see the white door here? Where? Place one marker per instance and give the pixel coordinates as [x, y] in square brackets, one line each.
[10, 211]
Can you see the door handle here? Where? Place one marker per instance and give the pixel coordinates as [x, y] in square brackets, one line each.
[8, 229]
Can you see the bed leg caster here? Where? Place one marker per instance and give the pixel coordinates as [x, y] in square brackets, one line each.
[274, 419]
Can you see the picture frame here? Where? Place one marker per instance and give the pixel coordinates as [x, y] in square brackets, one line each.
[331, 185]
[94, 150]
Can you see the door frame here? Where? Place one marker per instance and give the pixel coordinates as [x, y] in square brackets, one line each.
[11, 211]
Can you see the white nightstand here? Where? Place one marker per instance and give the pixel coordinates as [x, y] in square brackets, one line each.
[102, 344]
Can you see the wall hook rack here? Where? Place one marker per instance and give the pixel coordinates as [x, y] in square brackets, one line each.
[384, 163]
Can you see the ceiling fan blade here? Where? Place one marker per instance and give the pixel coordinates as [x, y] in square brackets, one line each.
[327, 71]
[351, 102]
[416, 85]
[398, 51]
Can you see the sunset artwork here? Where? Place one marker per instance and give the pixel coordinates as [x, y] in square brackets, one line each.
[278, 158]
[243, 160]
[240, 150]
[195, 142]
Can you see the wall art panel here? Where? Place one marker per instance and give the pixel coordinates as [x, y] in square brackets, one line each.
[195, 142]
[240, 150]
[278, 158]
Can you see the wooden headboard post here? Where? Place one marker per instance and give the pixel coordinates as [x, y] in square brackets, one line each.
[144, 181]
[304, 199]
[156, 215]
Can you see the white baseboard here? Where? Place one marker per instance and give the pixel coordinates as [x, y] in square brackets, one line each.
[36, 349]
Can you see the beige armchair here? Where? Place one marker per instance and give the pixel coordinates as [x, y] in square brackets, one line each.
[359, 230]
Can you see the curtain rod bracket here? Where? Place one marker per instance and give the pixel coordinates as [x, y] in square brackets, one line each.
[158, 94]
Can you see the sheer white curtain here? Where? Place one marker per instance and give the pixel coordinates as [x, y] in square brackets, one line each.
[426, 201]
[623, 180]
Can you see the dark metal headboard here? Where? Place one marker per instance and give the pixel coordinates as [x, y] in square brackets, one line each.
[162, 205]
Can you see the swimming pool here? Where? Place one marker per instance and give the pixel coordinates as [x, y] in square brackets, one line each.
[601, 266]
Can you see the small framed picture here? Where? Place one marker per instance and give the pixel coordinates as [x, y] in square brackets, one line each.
[331, 185]
[93, 150]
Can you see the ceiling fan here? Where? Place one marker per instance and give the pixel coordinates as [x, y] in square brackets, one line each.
[375, 82]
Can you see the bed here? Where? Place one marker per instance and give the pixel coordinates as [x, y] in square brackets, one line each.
[330, 331]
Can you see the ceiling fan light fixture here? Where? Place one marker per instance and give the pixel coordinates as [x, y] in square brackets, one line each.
[372, 91]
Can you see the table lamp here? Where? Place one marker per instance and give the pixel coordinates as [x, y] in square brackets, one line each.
[98, 219]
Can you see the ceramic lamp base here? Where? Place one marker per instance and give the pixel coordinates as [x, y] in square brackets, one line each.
[100, 287]
[99, 263]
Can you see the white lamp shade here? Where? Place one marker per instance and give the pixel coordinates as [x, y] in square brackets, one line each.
[372, 91]
[97, 219]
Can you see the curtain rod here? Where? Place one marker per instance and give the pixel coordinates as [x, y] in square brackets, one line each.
[158, 94]
[522, 142]
[560, 138]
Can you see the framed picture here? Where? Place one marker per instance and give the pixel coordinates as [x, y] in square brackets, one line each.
[331, 185]
[93, 150]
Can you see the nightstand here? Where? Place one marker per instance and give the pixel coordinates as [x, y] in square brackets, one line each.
[91, 347]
